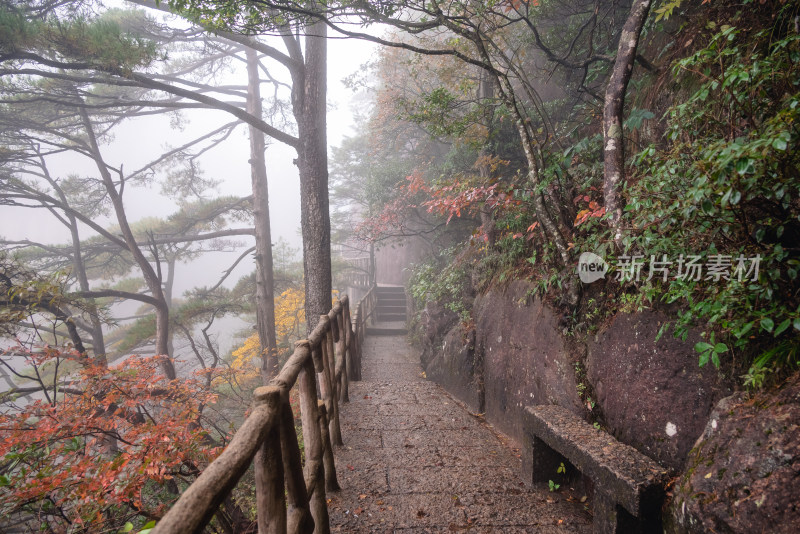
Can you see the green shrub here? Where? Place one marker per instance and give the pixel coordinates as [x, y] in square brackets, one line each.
[728, 186]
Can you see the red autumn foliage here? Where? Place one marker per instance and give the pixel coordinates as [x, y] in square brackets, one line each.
[451, 200]
[593, 210]
[516, 5]
[102, 450]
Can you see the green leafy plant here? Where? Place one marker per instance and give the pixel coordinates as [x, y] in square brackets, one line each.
[725, 190]
[710, 351]
[441, 280]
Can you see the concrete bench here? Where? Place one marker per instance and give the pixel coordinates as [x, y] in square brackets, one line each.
[628, 486]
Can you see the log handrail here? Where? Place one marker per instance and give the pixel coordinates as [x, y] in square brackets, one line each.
[332, 355]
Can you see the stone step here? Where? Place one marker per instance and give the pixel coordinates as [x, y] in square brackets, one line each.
[379, 331]
[391, 308]
[391, 302]
[391, 289]
[391, 317]
[383, 294]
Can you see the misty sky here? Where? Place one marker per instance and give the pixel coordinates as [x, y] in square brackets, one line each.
[138, 141]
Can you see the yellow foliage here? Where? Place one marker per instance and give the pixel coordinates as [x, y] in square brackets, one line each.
[290, 314]
[243, 357]
[289, 319]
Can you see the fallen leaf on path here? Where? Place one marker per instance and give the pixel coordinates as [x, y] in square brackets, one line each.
[421, 513]
[351, 468]
[358, 511]
[362, 496]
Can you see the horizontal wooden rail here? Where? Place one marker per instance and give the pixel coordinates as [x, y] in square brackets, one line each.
[289, 497]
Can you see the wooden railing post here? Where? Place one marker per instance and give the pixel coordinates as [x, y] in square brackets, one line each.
[333, 410]
[360, 338]
[270, 496]
[314, 448]
[331, 480]
[341, 363]
[299, 516]
[353, 364]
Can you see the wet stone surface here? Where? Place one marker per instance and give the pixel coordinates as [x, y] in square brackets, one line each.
[416, 461]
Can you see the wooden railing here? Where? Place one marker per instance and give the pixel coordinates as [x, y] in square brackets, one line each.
[358, 273]
[364, 316]
[289, 498]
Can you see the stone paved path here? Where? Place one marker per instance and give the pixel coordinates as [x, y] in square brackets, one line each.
[416, 461]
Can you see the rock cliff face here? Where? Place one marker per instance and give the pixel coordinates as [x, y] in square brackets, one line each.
[653, 394]
[649, 394]
[524, 358]
[742, 475]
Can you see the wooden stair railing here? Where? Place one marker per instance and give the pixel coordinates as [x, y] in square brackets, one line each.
[289, 498]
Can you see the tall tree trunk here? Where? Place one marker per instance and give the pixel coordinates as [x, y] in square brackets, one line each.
[552, 225]
[95, 325]
[613, 141]
[265, 298]
[168, 285]
[486, 92]
[96, 331]
[313, 166]
[151, 278]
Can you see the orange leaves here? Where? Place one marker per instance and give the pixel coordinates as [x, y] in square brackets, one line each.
[594, 210]
[117, 429]
[452, 200]
[416, 184]
[455, 198]
[516, 5]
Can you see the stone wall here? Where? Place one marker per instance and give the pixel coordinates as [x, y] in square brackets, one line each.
[649, 394]
[736, 457]
[652, 394]
[524, 358]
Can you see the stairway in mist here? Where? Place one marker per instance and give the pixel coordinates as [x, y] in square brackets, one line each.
[391, 312]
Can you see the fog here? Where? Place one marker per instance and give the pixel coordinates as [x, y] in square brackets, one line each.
[142, 139]
[137, 141]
